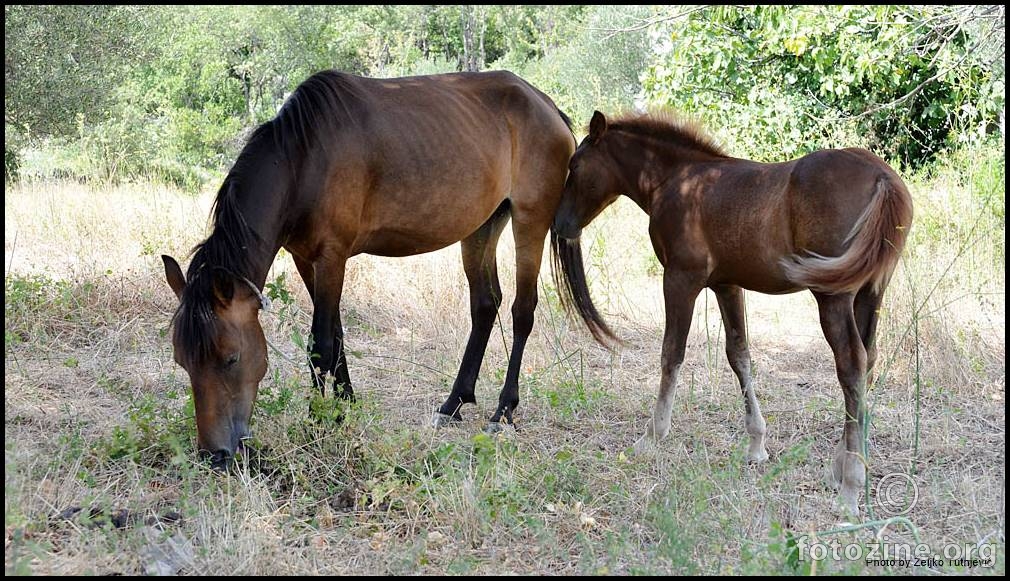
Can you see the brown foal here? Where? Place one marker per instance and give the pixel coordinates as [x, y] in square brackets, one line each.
[833, 222]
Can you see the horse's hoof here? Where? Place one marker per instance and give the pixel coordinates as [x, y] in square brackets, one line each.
[440, 420]
[848, 509]
[498, 428]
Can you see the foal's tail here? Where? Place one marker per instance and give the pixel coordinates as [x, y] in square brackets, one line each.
[875, 243]
[570, 280]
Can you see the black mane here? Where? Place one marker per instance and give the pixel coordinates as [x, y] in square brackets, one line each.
[318, 106]
[224, 251]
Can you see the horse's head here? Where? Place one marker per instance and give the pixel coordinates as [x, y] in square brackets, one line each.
[593, 182]
[218, 340]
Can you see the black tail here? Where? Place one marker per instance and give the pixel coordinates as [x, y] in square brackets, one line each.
[568, 122]
[570, 280]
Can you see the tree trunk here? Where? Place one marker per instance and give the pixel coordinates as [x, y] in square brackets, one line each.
[473, 25]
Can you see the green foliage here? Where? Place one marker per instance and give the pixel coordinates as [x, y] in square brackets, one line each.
[154, 430]
[64, 61]
[598, 68]
[113, 93]
[26, 298]
[171, 92]
[783, 80]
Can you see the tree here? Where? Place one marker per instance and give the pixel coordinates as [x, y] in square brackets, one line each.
[64, 62]
[782, 80]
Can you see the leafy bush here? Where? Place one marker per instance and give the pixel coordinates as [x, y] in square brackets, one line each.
[904, 81]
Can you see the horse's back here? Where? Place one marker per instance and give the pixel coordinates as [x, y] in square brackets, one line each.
[453, 102]
[417, 163]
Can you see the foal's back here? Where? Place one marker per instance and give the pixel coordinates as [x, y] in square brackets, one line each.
[754, 215]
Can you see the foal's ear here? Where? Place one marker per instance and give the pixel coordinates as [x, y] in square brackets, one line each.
[597, 127]
[173, 273]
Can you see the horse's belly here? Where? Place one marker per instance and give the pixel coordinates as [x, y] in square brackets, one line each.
[395, 242]
[423, 230]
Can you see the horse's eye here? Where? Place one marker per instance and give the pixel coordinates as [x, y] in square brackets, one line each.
[231, 360]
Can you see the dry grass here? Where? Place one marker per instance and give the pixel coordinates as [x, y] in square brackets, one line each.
[87, 362]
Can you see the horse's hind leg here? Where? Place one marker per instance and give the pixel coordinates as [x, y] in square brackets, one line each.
[680, 290]
[731, 304]
[838, 322]
[481, 268]
[866, 309]
[529, 239]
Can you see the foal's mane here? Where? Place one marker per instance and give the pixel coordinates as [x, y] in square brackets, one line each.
[670, 127]
[321, 103]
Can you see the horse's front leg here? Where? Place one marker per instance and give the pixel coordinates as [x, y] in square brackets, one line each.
[327, 352]
[680, 289]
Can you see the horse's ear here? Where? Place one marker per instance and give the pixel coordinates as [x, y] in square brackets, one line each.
[223, 284]
[174, 276]
[597, 127]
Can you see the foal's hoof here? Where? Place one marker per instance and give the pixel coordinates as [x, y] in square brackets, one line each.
[848, 508]
[757, 457]
[440, 420]
[644, 445]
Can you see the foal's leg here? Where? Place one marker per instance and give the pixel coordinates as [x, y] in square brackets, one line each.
[529, 250]
[680, 289]
[839, 325]
[327, 355]
[731, 304]
[867, 311]
[481, 268]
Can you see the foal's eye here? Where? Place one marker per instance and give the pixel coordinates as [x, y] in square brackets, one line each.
[231, 360]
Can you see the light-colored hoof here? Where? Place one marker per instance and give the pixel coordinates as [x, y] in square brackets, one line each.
[644, 445]
[848, 507]
[757, 456]
[440, 420]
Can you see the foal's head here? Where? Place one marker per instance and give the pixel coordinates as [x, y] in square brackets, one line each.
[218, 340]
[594, 182]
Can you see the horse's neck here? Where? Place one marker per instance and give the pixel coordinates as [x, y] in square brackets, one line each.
[649, 166]
[265, 213]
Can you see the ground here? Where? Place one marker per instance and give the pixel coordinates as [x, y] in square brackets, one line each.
[101, 475]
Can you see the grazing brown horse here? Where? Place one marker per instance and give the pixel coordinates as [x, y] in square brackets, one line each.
[351, 165]
[833, 222]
